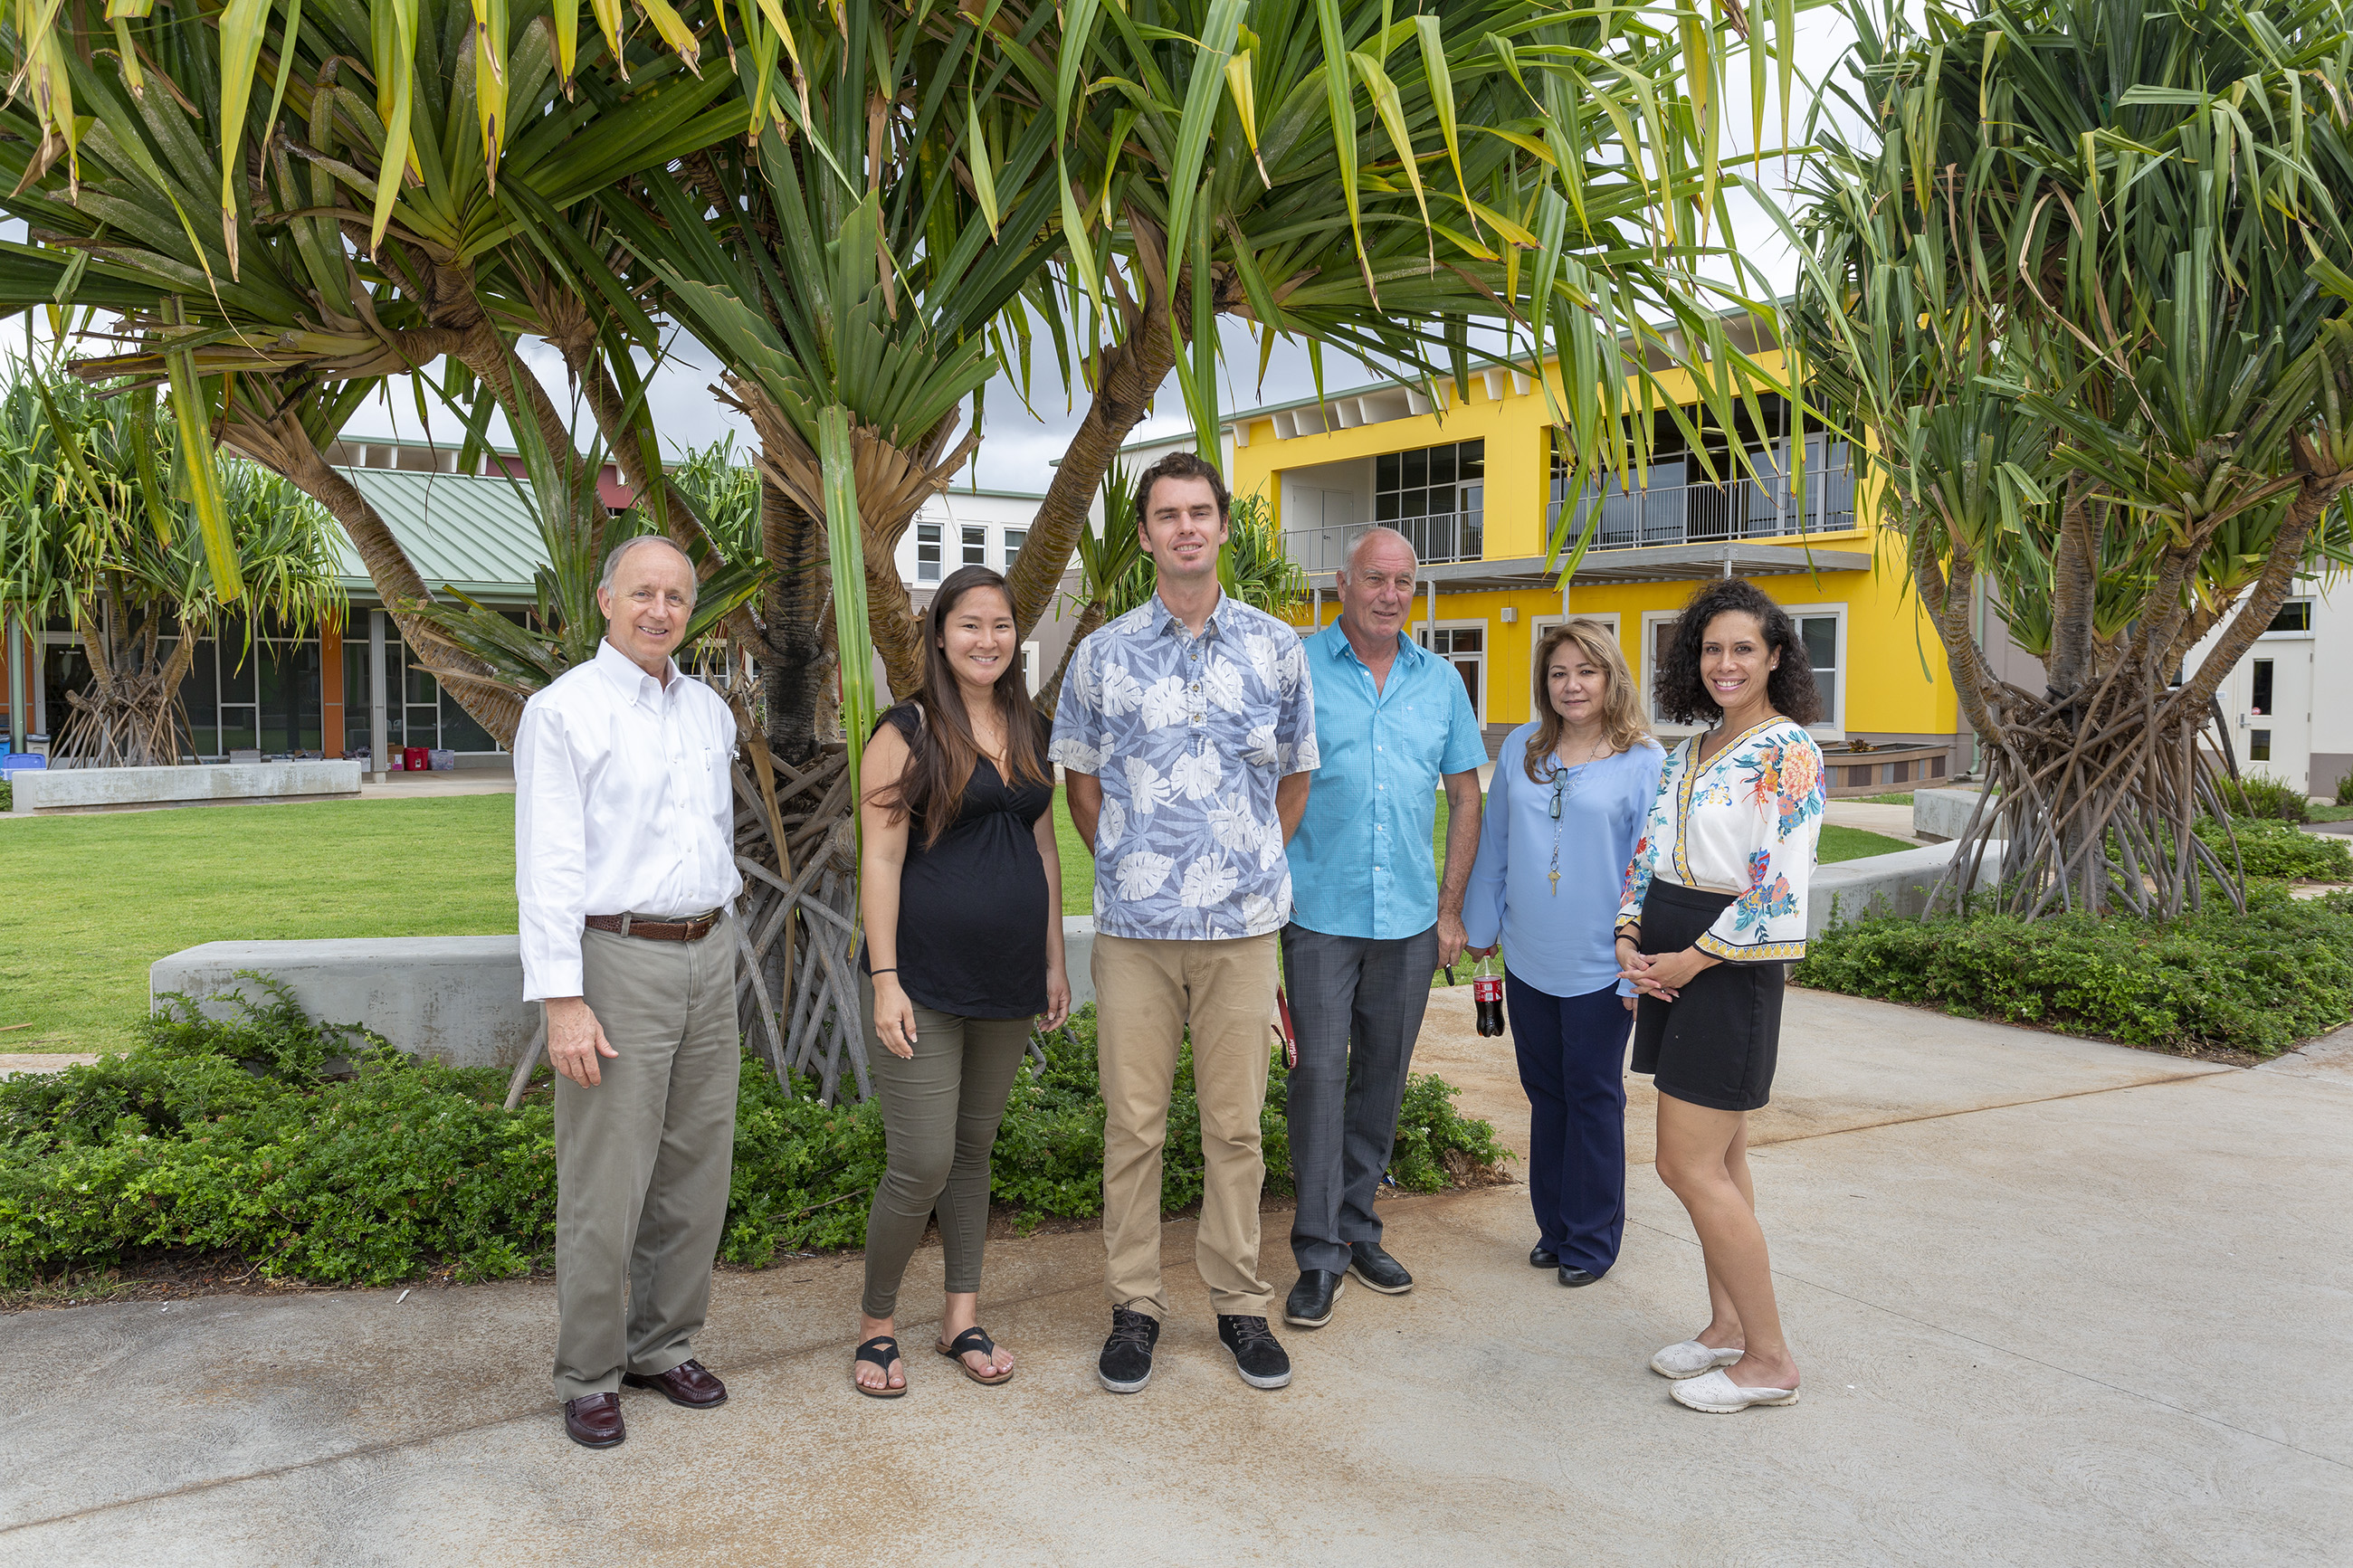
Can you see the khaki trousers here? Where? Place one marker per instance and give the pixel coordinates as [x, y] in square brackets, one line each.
[642, 1159]
[1147, 992]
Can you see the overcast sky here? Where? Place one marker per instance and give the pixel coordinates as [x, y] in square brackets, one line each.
[1021, 442]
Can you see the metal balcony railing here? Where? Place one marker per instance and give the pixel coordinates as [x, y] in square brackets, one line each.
[1706, 513]
[1441, 536]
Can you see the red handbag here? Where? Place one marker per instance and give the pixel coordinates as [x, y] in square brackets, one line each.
[1282, 1027]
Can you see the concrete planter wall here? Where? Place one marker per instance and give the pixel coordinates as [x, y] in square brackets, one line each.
[47, 791]
[456, 997]
[1944, 814]
[1893, 884]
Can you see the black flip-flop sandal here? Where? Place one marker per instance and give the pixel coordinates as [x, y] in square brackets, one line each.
[973, 1339]
[882, 1350]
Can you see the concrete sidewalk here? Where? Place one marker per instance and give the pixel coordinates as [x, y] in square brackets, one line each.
[2057, 1303]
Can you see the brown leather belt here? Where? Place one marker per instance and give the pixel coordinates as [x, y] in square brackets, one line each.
[693, 930]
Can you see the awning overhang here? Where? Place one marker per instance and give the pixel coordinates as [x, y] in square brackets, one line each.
[1650, 563]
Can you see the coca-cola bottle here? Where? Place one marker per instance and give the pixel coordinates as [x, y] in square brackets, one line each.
[1487, 992]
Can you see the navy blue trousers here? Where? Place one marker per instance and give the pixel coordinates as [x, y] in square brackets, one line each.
[1572, 1052]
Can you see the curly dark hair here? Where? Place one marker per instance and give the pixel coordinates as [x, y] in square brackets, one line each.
[1683, 696]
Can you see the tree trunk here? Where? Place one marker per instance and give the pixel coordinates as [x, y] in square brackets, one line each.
[797, 610]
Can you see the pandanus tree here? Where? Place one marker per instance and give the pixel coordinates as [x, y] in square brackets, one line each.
[95, 531]
[2080, 278]
[284, 204]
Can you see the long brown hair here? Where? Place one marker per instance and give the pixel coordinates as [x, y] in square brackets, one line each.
[1621, 711]
[943, 753]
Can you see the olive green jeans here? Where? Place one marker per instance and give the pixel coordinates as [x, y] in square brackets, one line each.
[939, 1111]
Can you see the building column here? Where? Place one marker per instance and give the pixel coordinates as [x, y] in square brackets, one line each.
[12, 657]
[331, 689]
[378, 737]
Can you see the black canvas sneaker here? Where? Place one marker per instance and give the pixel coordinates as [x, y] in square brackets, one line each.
[1257, 1356]
[1126, 1363]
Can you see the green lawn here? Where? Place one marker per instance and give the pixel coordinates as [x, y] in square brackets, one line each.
[87, 902]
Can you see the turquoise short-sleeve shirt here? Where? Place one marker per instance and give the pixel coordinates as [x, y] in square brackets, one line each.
[1361, 863]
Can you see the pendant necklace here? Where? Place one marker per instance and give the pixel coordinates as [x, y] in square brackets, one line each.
[1561, 772]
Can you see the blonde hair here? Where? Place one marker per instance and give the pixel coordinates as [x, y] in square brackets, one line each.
[1622, 724]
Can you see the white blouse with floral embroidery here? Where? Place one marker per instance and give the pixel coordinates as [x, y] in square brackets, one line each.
[1746, 822]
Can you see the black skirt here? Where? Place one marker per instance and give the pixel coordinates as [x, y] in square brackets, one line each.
[1716, 1043]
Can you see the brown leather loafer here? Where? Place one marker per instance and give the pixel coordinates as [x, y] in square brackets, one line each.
[594, 1420]
[688, 1382]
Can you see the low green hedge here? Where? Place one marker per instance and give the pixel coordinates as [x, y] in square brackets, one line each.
[231, 1136]
[2255, 982]
[2269, 847]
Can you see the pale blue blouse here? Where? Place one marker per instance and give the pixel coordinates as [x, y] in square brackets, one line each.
[1560, 942]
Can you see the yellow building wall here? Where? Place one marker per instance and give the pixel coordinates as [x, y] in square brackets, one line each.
[1895, 677]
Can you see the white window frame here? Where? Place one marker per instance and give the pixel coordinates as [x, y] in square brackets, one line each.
[973, 549]
[1833, 727]
[938, 545]
[2312, 620]
[1015, 538]
[1485, 655]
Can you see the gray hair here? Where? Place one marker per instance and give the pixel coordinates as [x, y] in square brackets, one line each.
[1356, 547]
[613, 562]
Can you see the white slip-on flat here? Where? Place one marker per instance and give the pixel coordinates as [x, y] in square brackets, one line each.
[1690, 1357]
[1716, 1393]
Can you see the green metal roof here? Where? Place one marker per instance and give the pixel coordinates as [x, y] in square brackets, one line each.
[472, 533]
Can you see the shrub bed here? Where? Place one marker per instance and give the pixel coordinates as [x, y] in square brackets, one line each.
[2271, 847]
[318, 1152]
[2257, 983]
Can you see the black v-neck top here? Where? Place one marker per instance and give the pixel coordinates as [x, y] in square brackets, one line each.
[972, 907]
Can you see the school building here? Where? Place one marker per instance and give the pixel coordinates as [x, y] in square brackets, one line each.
[1474, 480]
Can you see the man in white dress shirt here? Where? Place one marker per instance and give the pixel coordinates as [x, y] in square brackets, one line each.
[625, 868]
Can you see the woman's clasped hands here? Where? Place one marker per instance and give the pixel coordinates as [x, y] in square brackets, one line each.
[1662, 974]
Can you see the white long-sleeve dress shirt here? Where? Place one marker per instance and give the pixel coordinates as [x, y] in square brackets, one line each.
[623, 805]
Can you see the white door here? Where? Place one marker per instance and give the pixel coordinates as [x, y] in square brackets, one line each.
[2275, 728]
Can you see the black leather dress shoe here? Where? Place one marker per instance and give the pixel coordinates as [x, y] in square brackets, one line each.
[1543, 1256]
[1377, 1269]
[594, 1420]
[688, 1382]
[1309, 1305]
[1575, 1277]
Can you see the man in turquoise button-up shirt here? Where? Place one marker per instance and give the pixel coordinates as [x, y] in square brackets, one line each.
[1370, 919]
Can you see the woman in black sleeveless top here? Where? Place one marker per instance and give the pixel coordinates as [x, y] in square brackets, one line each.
[962, 891]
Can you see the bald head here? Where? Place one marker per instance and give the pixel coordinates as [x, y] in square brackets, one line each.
[1387, 542]
[627, 547]
[1377, 588]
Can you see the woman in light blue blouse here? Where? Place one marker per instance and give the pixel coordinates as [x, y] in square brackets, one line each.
[1570, 793]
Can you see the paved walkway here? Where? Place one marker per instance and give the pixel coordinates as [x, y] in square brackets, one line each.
[2058, 1303]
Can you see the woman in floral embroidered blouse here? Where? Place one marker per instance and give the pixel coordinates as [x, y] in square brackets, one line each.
[1714, 908]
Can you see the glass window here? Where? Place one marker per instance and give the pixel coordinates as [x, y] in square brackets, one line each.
[2258, 745]
[1819, 635]
[927, 552]
[1015, 538]
[1435, 497]
[460, 732]
[2296, 616]
[975, 547]
[2263, 696]
[200, 697]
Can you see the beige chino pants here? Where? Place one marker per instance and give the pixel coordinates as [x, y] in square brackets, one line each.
[1147, 992]
[642, 1159]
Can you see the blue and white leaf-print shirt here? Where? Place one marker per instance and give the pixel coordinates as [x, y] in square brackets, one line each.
[1189, 736]
[1748, 823]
